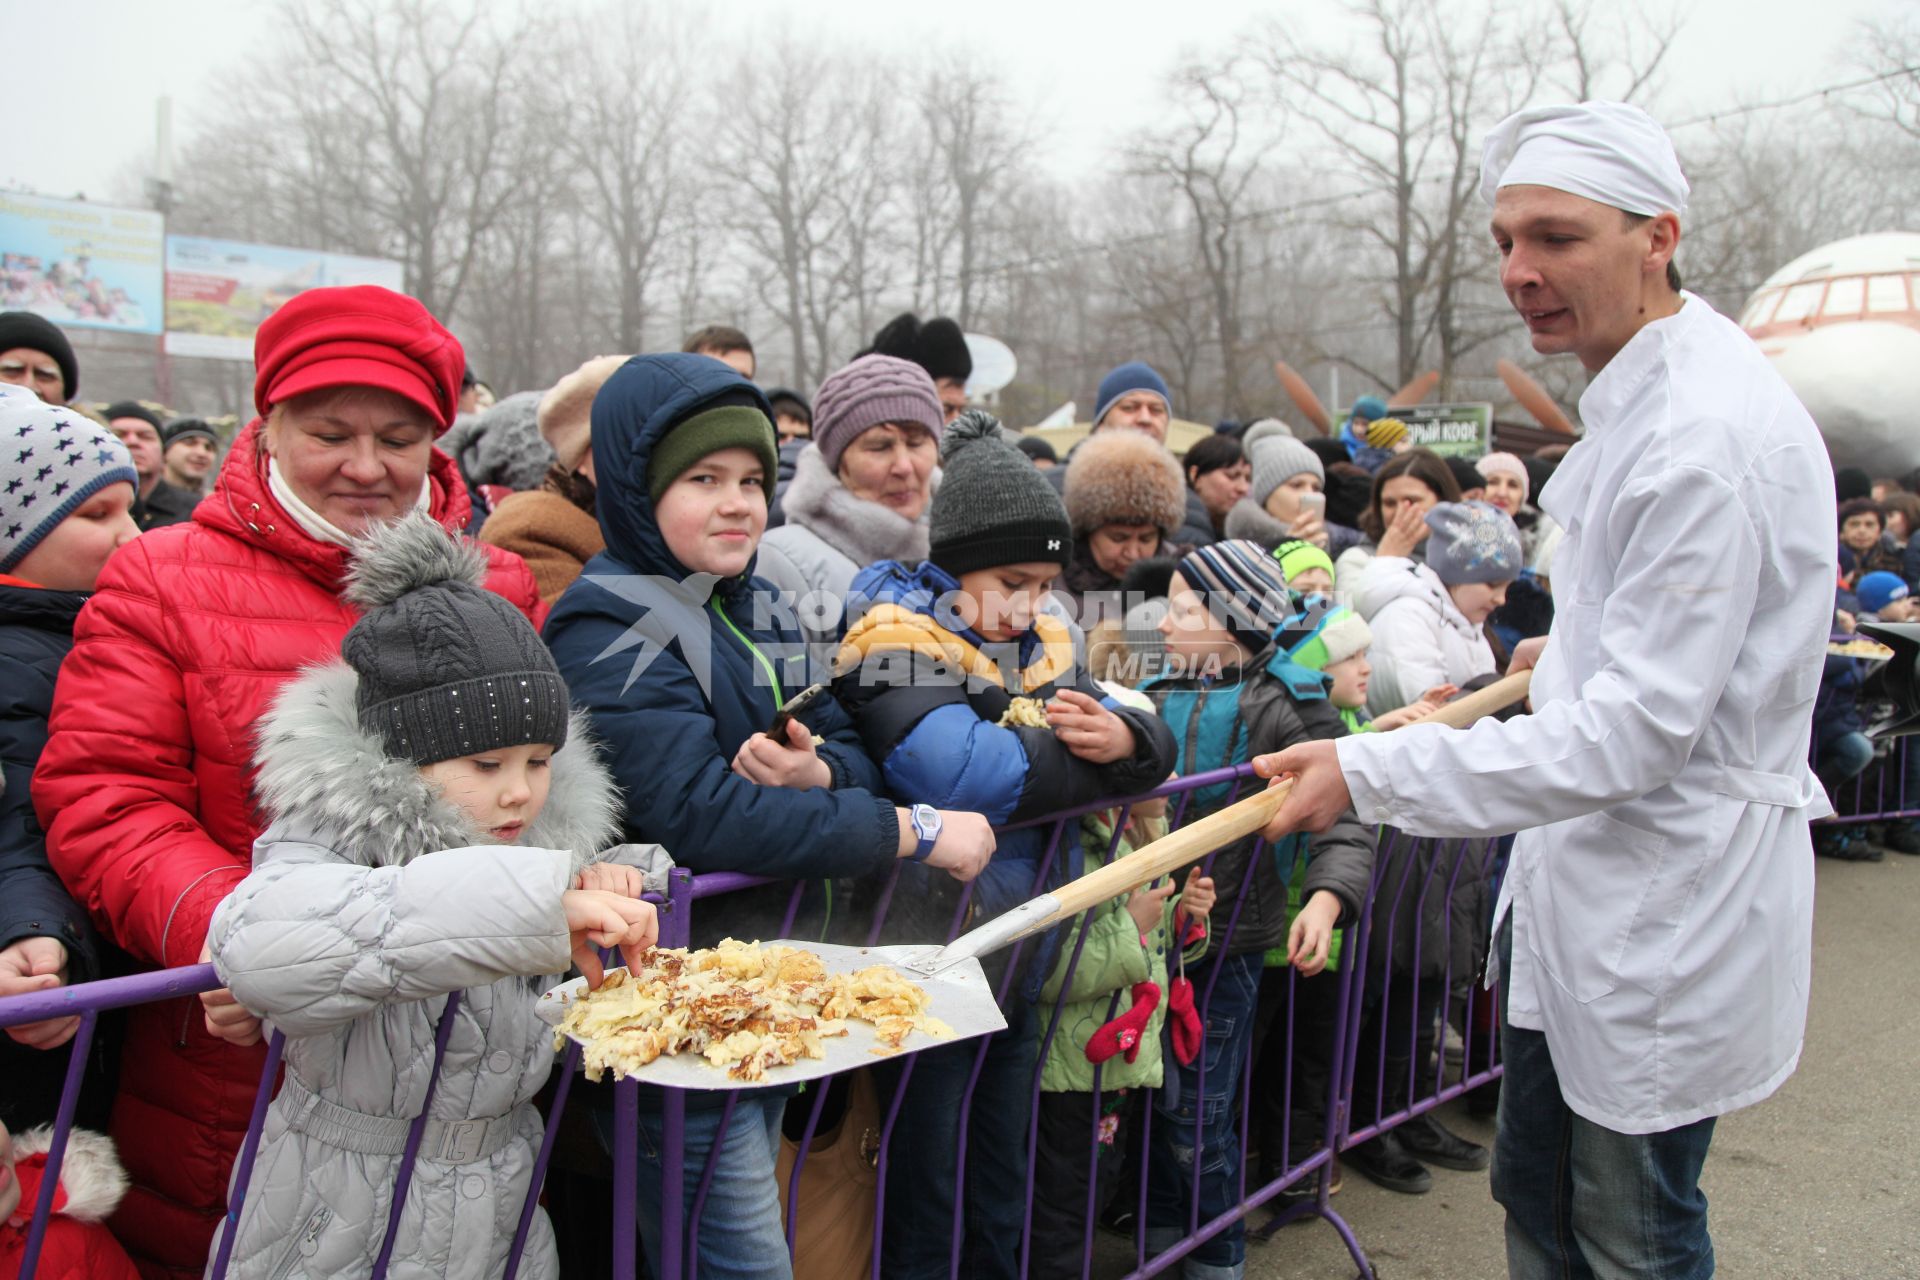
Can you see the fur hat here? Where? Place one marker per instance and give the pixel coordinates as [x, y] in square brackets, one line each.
[1472, 542]
[1124, 477]
[938, 346]
[447, 668]
[565, 415]
[1277, 457]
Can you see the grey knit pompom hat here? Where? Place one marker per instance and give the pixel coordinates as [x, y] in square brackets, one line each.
[447, 668]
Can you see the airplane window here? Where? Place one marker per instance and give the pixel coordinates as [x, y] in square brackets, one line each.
[1887, 293]
[1760, 309]
[1845, 297]
[1801, 301]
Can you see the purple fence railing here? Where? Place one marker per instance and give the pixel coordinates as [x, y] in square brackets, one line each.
[1367, 1057]
[1880, 791]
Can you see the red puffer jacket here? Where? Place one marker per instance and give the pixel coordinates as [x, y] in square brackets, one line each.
[145, 791]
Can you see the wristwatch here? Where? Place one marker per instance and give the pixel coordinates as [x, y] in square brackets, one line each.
[926, 826]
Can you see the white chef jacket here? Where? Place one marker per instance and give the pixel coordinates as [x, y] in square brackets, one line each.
[1661, 885]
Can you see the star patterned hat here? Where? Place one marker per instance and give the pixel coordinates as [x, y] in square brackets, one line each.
[51, 461]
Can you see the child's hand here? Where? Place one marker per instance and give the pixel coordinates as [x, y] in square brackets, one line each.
[1146, 903]
[1312, 933]
[613, 878]
[1403, 716]
[1088, 729]
[36, 964]
[1197, 899]
[796, 764]
[227, 1019]
[598, 918]
[1440, 694]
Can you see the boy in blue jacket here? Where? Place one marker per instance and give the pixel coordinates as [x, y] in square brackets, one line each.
[969, 696]
[670, 644]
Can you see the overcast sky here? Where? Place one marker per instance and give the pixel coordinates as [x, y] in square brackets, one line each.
[83, 75]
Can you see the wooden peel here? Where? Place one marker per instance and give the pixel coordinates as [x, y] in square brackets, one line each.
[1121, 876]
[1498, 696]
[1533, 398]
[1415, 392]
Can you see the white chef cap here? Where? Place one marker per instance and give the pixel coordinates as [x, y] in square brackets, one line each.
[1605, 151]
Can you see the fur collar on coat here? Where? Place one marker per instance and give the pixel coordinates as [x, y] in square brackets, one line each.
[325, 779]
[862, 531]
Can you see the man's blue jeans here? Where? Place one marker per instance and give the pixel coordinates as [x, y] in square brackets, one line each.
[740, 1233]
[1216, 1102]
[1584, 1202]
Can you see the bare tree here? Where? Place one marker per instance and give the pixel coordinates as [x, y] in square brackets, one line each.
[1211, 161]
[977, 151]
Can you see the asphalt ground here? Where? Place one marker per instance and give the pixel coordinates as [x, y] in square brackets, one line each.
[1821, 1180]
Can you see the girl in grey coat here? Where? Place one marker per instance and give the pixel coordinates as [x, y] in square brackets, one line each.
[433, 806]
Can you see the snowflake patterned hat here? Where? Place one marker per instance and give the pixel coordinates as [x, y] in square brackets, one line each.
[51, 460]
[1472, 542]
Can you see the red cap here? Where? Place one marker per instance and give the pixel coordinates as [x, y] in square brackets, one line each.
[359, 336]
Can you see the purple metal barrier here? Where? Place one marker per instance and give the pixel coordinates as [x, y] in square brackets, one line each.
[1411, 878]
[1879, 792]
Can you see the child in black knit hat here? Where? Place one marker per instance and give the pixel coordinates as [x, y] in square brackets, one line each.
[435, 820]
[967, 692]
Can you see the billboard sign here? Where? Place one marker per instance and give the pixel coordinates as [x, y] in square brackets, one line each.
[79, 264]
[218, 291]
[1450, 430]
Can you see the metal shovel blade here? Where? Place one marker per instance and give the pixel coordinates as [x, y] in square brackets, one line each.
[958, 995]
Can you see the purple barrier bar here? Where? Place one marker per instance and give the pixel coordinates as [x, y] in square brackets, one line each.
[249, 1149]
[415, 1132]
[80, 1046]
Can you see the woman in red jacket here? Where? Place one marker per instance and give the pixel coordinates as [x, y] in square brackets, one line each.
[145, 784]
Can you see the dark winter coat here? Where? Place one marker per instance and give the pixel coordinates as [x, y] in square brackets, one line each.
[166, 504]
[1271, 704]
[36, 630]
[928, 697]
[678, 671]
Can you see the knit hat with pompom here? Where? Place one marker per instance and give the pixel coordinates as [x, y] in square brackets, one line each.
[447, 668]
[994, 507]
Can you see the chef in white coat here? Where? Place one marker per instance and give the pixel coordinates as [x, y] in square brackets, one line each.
[1659, 903]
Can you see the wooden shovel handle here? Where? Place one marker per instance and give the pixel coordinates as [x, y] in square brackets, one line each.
[1502, 693]
[1169, 853]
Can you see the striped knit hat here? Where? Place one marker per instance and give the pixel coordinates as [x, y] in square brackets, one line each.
[1241, 587]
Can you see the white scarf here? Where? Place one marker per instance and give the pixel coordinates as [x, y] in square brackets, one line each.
[316, 525]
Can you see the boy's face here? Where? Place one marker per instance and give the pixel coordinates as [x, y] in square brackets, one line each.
[501, 791]
[71, 556]
[1312, 582]
[1349, 676]
[1194, 634]
[1861, 532]
[190, 459]
[9, 1185]
[1001, 603]
[1477, 600]
[714, 512]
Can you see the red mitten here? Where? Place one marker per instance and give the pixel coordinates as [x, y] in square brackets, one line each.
[1184, 1021]
[1123, 1034]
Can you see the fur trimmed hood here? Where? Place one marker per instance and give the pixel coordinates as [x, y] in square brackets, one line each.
[862, 531]
[324, 777]
[90, 1174]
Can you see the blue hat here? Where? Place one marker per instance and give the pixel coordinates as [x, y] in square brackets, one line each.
[1879, 589]
[1472, 542]
[1134, 375]
[1372, 408]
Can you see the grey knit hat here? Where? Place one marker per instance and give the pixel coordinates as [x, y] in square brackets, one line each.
[1473, 542]
[447, 668]
[504, 445]
[872, 390]
[993, 506]
[1277, 457]
[51, 461]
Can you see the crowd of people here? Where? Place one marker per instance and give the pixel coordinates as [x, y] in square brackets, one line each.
[395, 700]
[391, 712]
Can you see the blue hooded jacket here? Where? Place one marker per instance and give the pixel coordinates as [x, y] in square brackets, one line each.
[937, 735]
[677, 672]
